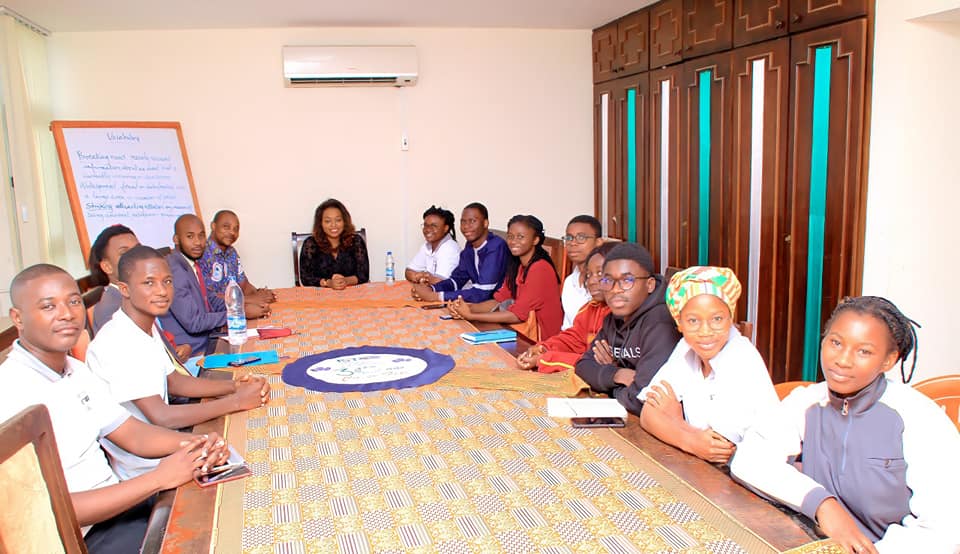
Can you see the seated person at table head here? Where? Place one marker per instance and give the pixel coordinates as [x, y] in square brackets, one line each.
[482, 264]
[335, 256]
[194, 313]
[530, 285]
[129, 357]
[220, 260]
[715, 384]
[104, 257]
[105, 252]
[440, 253]
[562, 351]
[879, 459]
[637, 336]
[584, 233]
[48, 313]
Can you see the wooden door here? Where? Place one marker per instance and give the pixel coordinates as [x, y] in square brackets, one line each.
[666, 33]
[633, 42]
[707, 27]
[759, 190]
[604, 53]
[662, 214]
[632, 112]
[759, 20]
[826, 186]
[706, 106]
[809, 14]
[605, 156]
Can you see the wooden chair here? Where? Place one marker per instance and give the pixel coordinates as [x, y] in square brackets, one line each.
[785, 388]
[38, 513]
[945, 391]
[296, 242]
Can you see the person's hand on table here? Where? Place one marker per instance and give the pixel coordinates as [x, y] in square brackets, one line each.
[842, 529]
[214, 449]
[183, 352]
[262, 381]
[602, 352]
[248, 394]
[337, 282]
[624, 376]
[711, 446]
[423, 293]
[256, 309]
[529, 359]
[266, 295]
[422, 277]
[460, 309]
[197, 454]
[664, 399]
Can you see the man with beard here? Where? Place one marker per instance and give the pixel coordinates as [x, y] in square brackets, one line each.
[220, 260]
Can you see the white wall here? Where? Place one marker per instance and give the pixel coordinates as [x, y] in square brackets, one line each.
[911, 248]
[501, 116]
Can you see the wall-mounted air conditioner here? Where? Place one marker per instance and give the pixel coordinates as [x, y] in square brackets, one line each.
[311, 66]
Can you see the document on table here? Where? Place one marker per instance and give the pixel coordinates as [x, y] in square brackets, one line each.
[585, 407]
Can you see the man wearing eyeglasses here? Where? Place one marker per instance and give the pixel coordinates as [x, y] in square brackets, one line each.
[584, 233]
[637, 336]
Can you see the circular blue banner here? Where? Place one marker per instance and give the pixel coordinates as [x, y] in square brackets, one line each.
[366, 368]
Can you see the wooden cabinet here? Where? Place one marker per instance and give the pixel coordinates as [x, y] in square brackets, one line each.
[621, 48]
[809, 14]
[759, 20]
[666, 33]
[659, 223]
[707, 27]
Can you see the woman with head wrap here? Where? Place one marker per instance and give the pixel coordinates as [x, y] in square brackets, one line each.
[715, 384]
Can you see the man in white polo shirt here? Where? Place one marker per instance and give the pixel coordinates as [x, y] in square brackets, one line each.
[129, 356]
[48, 313]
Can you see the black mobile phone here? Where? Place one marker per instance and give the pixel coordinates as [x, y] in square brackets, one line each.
[243, 361]
[446, 317]
[434, 306]
[235, 472]
[597, 422]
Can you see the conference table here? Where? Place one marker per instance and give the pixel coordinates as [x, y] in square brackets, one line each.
[470, 463]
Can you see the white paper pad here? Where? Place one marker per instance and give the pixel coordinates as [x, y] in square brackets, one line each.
[585, 407]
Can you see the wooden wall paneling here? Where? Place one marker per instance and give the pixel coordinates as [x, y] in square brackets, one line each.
[640, 227]
[665, 166]
[666, 33]
[604, 52]
[718, 248]
[809, 14]
[707, 27]
[759, 20]
[633, 42]
[772, 321]
[845, 200]
[603, 212]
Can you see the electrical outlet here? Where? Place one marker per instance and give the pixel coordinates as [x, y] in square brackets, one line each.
[404, 142]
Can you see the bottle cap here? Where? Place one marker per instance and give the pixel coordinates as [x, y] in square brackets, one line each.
[389, 252]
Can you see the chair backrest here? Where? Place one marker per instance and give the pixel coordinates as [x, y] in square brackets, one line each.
[746, 329]
[296, 242]
[38, 513]
[785, 388]
[554, 248]
[945, 391]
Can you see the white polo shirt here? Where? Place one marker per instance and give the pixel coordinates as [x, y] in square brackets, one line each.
[573, 296]
[80, 409]
[736, 394]
[440, 262]
[133, 365]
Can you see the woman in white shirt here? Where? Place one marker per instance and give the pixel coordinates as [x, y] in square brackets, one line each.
[715, 384]
[440, 253]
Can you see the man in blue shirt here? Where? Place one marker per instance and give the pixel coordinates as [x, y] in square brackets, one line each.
[220, 260]
[482, 264]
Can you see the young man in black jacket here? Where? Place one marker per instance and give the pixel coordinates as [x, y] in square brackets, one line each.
[637, 336]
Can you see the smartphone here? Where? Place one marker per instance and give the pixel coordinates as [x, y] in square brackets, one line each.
[434, 306]
[233, 472]
[243, 361]
[446, 317]
[597, 422]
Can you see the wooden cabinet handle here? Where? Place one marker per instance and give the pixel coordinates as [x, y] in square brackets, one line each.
[779, 24]
[787, 238]
[796, 18]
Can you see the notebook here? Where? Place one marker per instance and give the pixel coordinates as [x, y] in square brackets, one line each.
[485, 337]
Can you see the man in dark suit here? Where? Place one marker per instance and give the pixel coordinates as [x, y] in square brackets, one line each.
[194, 314]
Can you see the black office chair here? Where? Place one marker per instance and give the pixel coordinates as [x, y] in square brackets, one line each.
[296, 242]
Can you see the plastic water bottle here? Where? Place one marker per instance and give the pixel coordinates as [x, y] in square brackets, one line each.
[236, 317]
[390, 277]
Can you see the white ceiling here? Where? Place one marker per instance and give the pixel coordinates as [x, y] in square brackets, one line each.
[109, 15]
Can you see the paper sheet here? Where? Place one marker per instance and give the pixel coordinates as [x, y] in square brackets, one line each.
[585, 407]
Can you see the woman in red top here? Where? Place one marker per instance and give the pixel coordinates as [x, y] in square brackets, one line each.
[561, 351]
[531, 283]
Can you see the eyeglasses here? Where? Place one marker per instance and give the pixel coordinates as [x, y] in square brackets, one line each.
[716, 323]
[579, 238]
[626, 282]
